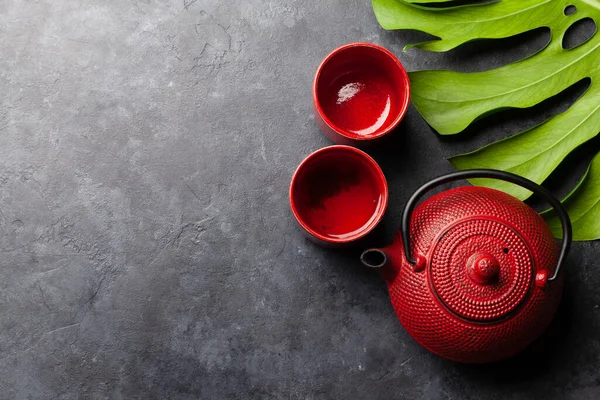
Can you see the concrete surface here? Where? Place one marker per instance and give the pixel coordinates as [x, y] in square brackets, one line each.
[147, 250]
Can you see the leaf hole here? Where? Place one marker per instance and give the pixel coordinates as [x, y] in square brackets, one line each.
[578, 33]
[570, 10]
[485, 54]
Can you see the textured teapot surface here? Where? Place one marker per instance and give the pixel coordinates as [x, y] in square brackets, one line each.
[483, 293]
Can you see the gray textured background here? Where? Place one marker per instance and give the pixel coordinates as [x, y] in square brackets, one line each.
[146, 246]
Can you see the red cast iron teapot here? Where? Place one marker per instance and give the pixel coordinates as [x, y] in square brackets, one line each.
[474, 274]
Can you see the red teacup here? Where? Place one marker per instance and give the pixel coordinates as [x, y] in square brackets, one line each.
[360, 93]
[338, 195]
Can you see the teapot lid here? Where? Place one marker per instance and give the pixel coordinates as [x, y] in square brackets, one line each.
[481, 269]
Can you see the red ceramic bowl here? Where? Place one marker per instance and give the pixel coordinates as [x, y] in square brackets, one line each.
[360, 93]
[338, 195]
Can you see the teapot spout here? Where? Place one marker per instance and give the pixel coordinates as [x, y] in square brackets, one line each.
[374, 258]
[381, 261]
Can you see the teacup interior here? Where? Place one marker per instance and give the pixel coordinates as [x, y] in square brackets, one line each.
[338, 195]
[361, 91]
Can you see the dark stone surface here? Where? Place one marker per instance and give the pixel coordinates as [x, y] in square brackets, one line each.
[147, 249]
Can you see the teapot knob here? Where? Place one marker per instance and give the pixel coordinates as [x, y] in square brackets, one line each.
[483, 268]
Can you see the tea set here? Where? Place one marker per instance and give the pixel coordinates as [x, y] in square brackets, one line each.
[474, 274]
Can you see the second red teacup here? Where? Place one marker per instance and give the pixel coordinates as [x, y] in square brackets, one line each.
[338, 195]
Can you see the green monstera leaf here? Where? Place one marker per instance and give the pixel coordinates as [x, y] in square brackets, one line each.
[583, 204]
[450, 101]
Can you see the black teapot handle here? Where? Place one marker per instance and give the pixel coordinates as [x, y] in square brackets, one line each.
[493, 174]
